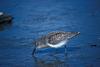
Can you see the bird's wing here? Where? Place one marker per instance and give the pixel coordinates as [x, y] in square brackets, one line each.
[56, 37]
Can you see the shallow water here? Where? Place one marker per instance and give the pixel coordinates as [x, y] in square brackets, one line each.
[34, 18]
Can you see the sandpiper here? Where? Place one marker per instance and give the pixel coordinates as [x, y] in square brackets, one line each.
[54, 40]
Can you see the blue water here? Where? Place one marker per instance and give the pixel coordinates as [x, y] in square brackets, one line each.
[34, 18]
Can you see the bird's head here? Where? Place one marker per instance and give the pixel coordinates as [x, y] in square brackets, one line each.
[40, 44]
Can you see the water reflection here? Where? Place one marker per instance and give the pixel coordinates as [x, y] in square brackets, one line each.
[5, 26]
[51, 61]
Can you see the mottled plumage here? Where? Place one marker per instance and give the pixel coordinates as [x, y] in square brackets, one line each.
[54, 39]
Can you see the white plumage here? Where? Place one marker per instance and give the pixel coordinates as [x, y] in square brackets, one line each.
[60, 44]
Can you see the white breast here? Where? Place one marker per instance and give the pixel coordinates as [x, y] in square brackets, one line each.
[57, 45]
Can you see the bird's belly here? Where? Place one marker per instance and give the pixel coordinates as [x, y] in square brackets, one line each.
[60, 44]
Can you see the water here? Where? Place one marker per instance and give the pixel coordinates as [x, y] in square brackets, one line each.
[34, 18]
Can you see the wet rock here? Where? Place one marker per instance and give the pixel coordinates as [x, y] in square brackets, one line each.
[5, 18]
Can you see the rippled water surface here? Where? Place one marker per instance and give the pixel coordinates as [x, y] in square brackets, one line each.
[34, 18]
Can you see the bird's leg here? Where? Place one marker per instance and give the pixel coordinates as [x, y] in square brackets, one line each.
[65, 50]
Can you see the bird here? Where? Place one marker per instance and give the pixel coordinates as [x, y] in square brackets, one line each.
[54, 39]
